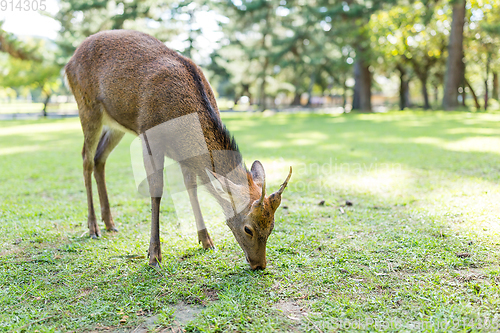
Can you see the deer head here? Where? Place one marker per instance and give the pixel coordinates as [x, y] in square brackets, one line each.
[253, 220]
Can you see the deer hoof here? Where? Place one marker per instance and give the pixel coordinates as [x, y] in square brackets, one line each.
[155, 265]
[94, 236]
[205, 240]
[114, 229]
[209, 246]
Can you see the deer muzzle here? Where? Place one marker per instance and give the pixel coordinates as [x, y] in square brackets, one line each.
[257, 265]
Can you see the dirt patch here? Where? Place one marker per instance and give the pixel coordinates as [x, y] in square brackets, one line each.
[470, 275]
[145, 327]
[298, 315]
[291, 310]
[184, 313]
[84, 292]
[211, 294]
[12, 250]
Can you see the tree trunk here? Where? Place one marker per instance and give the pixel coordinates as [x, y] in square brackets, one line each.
[407, 93]
[344, 94]
[402, 88]
[454, 64]
[464, 96]
[362, 86]
[486, 87]
[486, 95]
[356, 105]
[262, 94]
[296, 98]
[425, 93]
[436, 94]
[494, 92]
[474, 96]
[45, 105]
[463, 84]
[310, 88]
[246, 92]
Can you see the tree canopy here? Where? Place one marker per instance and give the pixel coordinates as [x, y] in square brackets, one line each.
[443, 53]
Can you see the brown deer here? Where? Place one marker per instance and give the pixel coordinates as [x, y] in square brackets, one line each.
[127, 81]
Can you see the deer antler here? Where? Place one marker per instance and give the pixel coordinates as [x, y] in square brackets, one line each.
[261, 200]
[282, 188]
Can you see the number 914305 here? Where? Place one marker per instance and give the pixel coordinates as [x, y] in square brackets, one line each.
[22, 5]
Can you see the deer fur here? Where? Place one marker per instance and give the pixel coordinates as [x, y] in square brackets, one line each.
[127, 81]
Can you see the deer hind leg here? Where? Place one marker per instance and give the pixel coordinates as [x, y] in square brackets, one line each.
[91, 120]
[154, 162]
[192, 189]
[108, 141]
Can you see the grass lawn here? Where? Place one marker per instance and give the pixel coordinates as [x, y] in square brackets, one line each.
[9, 108]
[416, 247]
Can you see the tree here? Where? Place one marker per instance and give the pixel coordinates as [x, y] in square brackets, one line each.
[483, 38]
[352, 18]
[10, 44]
[491, 28]
[455, 68]
[36, 68]
[253, 28]
[413, 35]
[82, 18]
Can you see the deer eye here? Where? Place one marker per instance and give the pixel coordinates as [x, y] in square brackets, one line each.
[248, 231]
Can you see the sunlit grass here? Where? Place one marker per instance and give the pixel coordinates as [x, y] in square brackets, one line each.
[420, 243]
[8, 108]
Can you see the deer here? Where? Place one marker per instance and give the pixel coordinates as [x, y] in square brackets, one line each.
[128, 81]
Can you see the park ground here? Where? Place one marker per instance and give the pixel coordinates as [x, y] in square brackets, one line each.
[390, 223]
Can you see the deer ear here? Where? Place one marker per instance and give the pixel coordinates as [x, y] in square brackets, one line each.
[229, 191]
[258, 174]
[220, 184]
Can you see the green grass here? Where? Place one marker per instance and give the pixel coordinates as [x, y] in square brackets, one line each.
[418, 249]
[8, 108]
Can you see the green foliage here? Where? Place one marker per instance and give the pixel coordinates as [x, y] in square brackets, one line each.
[162, 19]
[270, 49]
[415, 35]
[16, 48]
[304, 45]
[483, 41]
[34, 74]
[38, 71]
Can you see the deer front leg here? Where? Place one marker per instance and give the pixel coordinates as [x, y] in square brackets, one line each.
[192, 188]
[154, 251]
[156, 191]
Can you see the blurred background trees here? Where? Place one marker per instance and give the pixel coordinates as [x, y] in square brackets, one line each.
[352, 54]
